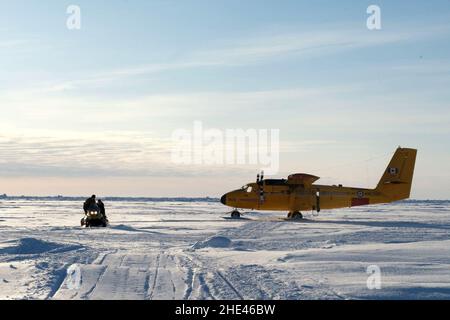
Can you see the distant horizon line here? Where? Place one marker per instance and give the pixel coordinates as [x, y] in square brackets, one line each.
[150, 198]
[61, 197]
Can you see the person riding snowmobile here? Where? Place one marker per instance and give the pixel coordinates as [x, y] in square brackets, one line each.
[95, 215]
[101, 205]
[90, 203]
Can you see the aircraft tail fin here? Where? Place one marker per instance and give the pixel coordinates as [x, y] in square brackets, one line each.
[397, 179]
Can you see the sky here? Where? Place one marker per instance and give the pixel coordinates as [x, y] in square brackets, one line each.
[94, 110]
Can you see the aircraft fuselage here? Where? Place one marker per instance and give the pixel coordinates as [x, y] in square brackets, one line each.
[265, 196]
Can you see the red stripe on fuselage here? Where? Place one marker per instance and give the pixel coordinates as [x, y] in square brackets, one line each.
[359, 201]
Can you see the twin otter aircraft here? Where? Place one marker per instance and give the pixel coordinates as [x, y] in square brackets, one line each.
[298, 193]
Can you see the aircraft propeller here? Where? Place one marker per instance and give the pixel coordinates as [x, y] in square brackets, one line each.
[261, 187]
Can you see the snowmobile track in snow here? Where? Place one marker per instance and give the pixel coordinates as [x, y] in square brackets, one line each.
[128, 276]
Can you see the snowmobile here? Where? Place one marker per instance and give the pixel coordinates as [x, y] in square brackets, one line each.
[93, 217]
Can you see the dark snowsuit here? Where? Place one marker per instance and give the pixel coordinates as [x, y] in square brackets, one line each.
[101, 205]
[89, 203]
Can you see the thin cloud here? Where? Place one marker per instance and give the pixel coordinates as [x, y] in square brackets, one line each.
[258, 49]
[8, 44]
[254, 50]
[114, 154]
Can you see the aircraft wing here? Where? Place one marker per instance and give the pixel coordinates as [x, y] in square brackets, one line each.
[302, 178]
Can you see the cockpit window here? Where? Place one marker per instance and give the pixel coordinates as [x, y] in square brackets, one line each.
[249, 189]
[275, 182]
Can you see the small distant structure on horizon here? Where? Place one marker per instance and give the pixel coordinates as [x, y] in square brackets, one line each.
[4, 196]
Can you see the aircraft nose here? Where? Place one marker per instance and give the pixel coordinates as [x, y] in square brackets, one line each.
[223, 200]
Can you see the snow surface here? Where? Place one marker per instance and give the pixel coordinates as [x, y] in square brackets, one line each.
[180, 249]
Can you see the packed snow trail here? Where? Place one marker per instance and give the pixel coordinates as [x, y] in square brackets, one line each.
[186, 250]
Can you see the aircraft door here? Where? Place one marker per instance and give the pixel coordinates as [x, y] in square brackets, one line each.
[300, 199]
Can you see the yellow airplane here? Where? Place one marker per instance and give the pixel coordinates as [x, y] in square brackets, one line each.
[298, 193]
